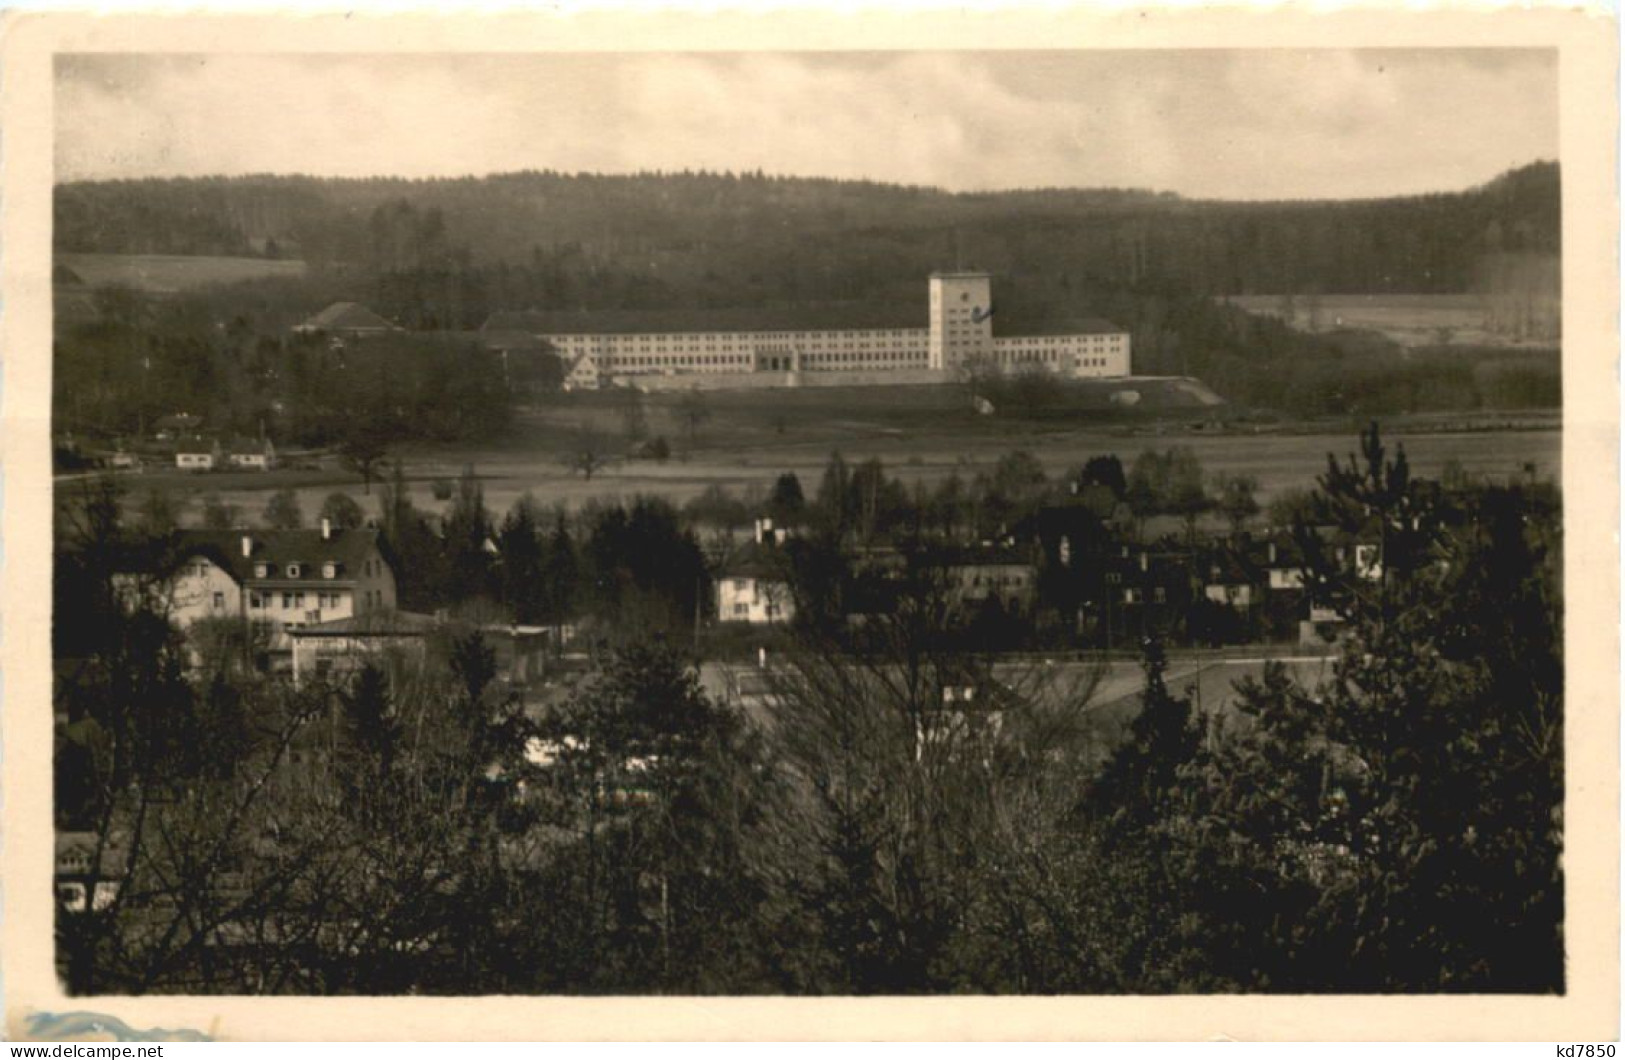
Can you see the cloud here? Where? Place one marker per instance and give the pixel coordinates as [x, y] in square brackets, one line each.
[1237, 124]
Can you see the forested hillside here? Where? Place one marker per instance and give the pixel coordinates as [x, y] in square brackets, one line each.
[651, 240]
[441, 256]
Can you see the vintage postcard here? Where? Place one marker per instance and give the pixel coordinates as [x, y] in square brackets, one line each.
[936, 523]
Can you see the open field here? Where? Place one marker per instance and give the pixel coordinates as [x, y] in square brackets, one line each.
[1408, 319]
[922, 434]
[171, 273]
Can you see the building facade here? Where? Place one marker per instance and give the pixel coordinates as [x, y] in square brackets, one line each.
[753, 584]
[197, 455]
[277, 579]
[959, 332]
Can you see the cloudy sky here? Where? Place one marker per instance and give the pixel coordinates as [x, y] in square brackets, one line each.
[1257, 124]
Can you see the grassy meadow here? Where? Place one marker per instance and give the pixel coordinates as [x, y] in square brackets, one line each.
[170, 273]
[923, 434]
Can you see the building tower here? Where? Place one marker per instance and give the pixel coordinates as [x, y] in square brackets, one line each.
[961, 318]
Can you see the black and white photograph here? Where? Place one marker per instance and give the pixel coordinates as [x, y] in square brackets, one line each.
[1048, 521]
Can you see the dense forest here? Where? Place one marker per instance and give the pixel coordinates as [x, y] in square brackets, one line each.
[656, 239]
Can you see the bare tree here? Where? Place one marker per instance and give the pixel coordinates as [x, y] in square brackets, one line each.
[1236, 497]
[364, 452]
[693, 410]
[919, 769]
[586, 455]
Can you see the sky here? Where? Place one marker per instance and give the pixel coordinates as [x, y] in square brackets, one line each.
[1231, 124]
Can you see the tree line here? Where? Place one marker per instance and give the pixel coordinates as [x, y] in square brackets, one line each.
[137, 360]
[712, 235]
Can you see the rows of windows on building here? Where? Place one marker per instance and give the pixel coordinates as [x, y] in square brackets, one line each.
[831, 351]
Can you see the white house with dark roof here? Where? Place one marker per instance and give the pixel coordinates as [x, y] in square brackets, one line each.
[253, 455]
[753, 584]
[583, 374]
[277, 579]
[198, 454]
[89, 871]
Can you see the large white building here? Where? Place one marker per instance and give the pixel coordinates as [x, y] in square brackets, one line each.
[960, 331]
[275, 580]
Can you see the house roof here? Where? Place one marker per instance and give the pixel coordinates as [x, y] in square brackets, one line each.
[755, 560]
[113, 853]
[196, 446]
[348, 548]
[249, 447]
[813, 316]
[1017, 322]
[347, 316]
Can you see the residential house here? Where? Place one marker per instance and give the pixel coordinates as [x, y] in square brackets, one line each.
[753, 583]
[583, 374]
[1232, 586]
[1231, 580]
[277, 579]
[89, 872]
[989, 577]
[198, 454]
[1292, 603]
[1143, 591]
[256, 455]
[1284, 586]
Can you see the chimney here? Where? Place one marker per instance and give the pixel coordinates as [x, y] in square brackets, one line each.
[1145, 561]
[761, 658]
[1272, 552]
[327, 529]
[248, 546]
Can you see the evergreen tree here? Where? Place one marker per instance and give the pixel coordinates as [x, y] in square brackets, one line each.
[561, 576]
[467, 528]
[834, 500]
[522, 575]
[786, 505]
